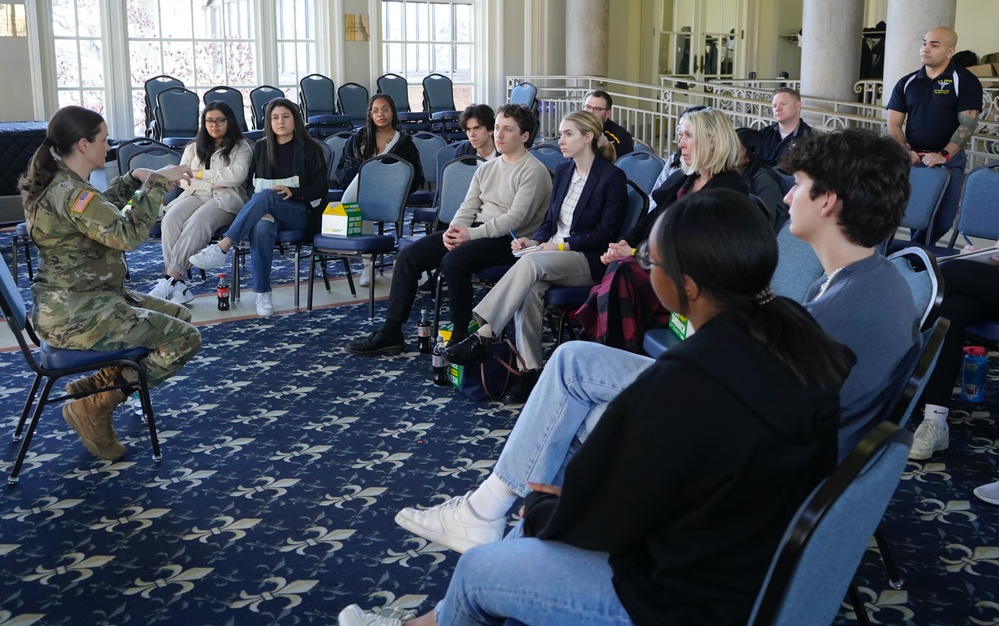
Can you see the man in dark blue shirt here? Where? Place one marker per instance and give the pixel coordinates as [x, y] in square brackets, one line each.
[787, 128]
[940, 104]
[600, 103]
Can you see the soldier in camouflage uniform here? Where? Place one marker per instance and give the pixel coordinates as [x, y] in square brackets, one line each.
[80, 300]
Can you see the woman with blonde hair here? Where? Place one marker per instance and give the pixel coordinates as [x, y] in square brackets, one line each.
[588, 205]
[623, 306]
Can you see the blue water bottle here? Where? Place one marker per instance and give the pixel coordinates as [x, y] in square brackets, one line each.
[976, 366]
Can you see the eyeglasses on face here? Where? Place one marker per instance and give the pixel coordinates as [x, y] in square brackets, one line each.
[383, 111]
[215, 121]
[643, 256]
[593, 109]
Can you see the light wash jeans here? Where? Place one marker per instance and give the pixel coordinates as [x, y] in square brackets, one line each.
[533, 582]
[287, 214]
[581, 378]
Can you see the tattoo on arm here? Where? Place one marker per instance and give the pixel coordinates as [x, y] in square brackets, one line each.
[968, 121]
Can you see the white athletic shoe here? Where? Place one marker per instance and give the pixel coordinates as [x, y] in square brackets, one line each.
[264, 306]
[211, 257]
[452, 524]
[162, 289]
[365, 279]
[989, 492]
[354, 615]
[181, 293]
[930, 437]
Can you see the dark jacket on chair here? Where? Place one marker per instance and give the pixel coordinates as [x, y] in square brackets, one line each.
[598, 215]
[351, 159]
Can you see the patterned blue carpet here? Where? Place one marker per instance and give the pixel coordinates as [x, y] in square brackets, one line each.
[285, 461]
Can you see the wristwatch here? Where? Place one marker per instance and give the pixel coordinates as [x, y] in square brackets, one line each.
[945, 154]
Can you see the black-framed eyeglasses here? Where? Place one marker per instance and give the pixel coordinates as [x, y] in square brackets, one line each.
[643, 256]
[593, 109]
[215, 121]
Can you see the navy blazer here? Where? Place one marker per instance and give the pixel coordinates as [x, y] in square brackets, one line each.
[599, 213]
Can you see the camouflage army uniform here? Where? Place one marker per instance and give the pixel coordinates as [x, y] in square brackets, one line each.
[80, 299]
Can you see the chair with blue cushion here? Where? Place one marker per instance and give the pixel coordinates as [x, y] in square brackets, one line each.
[382, 188]
[317, 96]
[920, 270]
[977, 216]
[415, 122]
[352, 101]
[177, 116]
[928, 185]
[151, 89]
[422, 200]
[642, 147]
[438, 94]
[126, 149]
[641, 167]
[527, 94]
[550, 157]
[322, 126]
[52, 364]
[259, 97]
[814, 566]
[397, 88]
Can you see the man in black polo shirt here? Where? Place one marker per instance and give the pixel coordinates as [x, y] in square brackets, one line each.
[599, 103]
[787, 127]
[940, 104]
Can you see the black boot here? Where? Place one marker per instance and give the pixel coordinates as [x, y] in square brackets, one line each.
[521, 388]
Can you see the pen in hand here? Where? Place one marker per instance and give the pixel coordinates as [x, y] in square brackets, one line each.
[513, 235]
[965, 237]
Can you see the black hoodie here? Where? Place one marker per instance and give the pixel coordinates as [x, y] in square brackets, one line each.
[692, 475]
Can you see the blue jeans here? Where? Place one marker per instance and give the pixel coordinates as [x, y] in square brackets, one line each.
[533, 582]
[287, 214]
[581, 378]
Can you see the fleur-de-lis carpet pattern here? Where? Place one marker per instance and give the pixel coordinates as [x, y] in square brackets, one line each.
[285, 461]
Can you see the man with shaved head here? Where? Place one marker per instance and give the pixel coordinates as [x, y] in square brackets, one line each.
[939, 104]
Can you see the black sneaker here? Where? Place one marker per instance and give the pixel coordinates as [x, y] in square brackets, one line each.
[377, 344]
[469, 351]
[522, 387]
[429, 286]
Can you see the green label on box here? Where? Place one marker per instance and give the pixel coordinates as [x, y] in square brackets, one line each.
[343, 219]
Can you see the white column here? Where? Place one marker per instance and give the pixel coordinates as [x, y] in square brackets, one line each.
[586, 27]
[830, 48]
[908, 21]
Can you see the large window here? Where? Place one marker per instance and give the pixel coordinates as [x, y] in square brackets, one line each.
[296, 43]
[420, 38]
[79, 53]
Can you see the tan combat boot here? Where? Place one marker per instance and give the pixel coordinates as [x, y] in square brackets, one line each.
[102, 378]
[90, 417]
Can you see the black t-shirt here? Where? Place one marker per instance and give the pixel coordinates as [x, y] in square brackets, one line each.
[932, 104]
[284, 154]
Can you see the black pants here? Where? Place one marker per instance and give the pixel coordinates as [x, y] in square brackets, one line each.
[457, 267]
[971, 294]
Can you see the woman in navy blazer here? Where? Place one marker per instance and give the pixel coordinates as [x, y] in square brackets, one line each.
[587, 209]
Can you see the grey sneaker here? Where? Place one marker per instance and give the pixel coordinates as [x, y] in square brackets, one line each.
[453, 524]
[930, 437]
[264, 306]
[354, 615]
[161, 289]
[181, 293]
[989, 493]
[210, 257]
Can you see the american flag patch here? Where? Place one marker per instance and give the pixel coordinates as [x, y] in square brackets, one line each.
[83, 200]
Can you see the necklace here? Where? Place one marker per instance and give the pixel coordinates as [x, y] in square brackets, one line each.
[828, 282]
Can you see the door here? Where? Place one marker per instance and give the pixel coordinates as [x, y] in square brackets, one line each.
[700, 39]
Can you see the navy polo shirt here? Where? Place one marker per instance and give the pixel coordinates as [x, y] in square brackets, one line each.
[932, 104]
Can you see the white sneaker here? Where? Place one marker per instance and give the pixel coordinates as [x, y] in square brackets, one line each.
[211, 257]
[354, 615]
[365, 279]
[181, 293]
[989, 492]
[930, 437]
[453, 525]
[264, 306]
[161, 289]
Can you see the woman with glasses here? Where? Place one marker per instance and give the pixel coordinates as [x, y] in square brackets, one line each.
[588, 205]
[672, 508]
[623, 306]
[290, 184]
[220, 160]
[379, 135]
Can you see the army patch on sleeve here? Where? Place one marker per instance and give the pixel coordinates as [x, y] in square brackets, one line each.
[83, 200]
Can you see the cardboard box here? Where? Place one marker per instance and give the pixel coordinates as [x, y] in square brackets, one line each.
[343, 218]
[987, 70]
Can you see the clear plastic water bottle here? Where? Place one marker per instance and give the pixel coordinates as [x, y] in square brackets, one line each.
[222, 291]
[135, 403]
[440, 364]
[423, 333]
[976, 367]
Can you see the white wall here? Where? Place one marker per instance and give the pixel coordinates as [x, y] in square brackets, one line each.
[976, 26]
[16, 104]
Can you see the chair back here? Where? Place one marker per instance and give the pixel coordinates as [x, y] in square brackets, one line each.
[797, 266]
[444, 155]
[15, 311]
[415, 122]
[920, 270]
[909, 396]
[352, 101]
[336, 143]
[826, 539]
[638, 205]
[428, 145]
[152, 89]
[317, 95]
[641, 167]
[928, 186]
[232, 97]
[526, 94]
[153, 158]
[641, 146]
[322, 126]
[978, 201]
[382, 188]
[177, 112]
[455, 179]
[397, 88]
[127, 148]
[259, 98]
[551, 157]
[438, 94]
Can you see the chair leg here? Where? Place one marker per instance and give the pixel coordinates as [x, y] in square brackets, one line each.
[23, 452]
[27, 260]
[326, 276]
[235, 272]
[312, 275]
[891, 569]
[298, 272]
[858, 605]
[371, 290]
[350, 276]
[438, 290]
[147, 414]
[28, 402]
